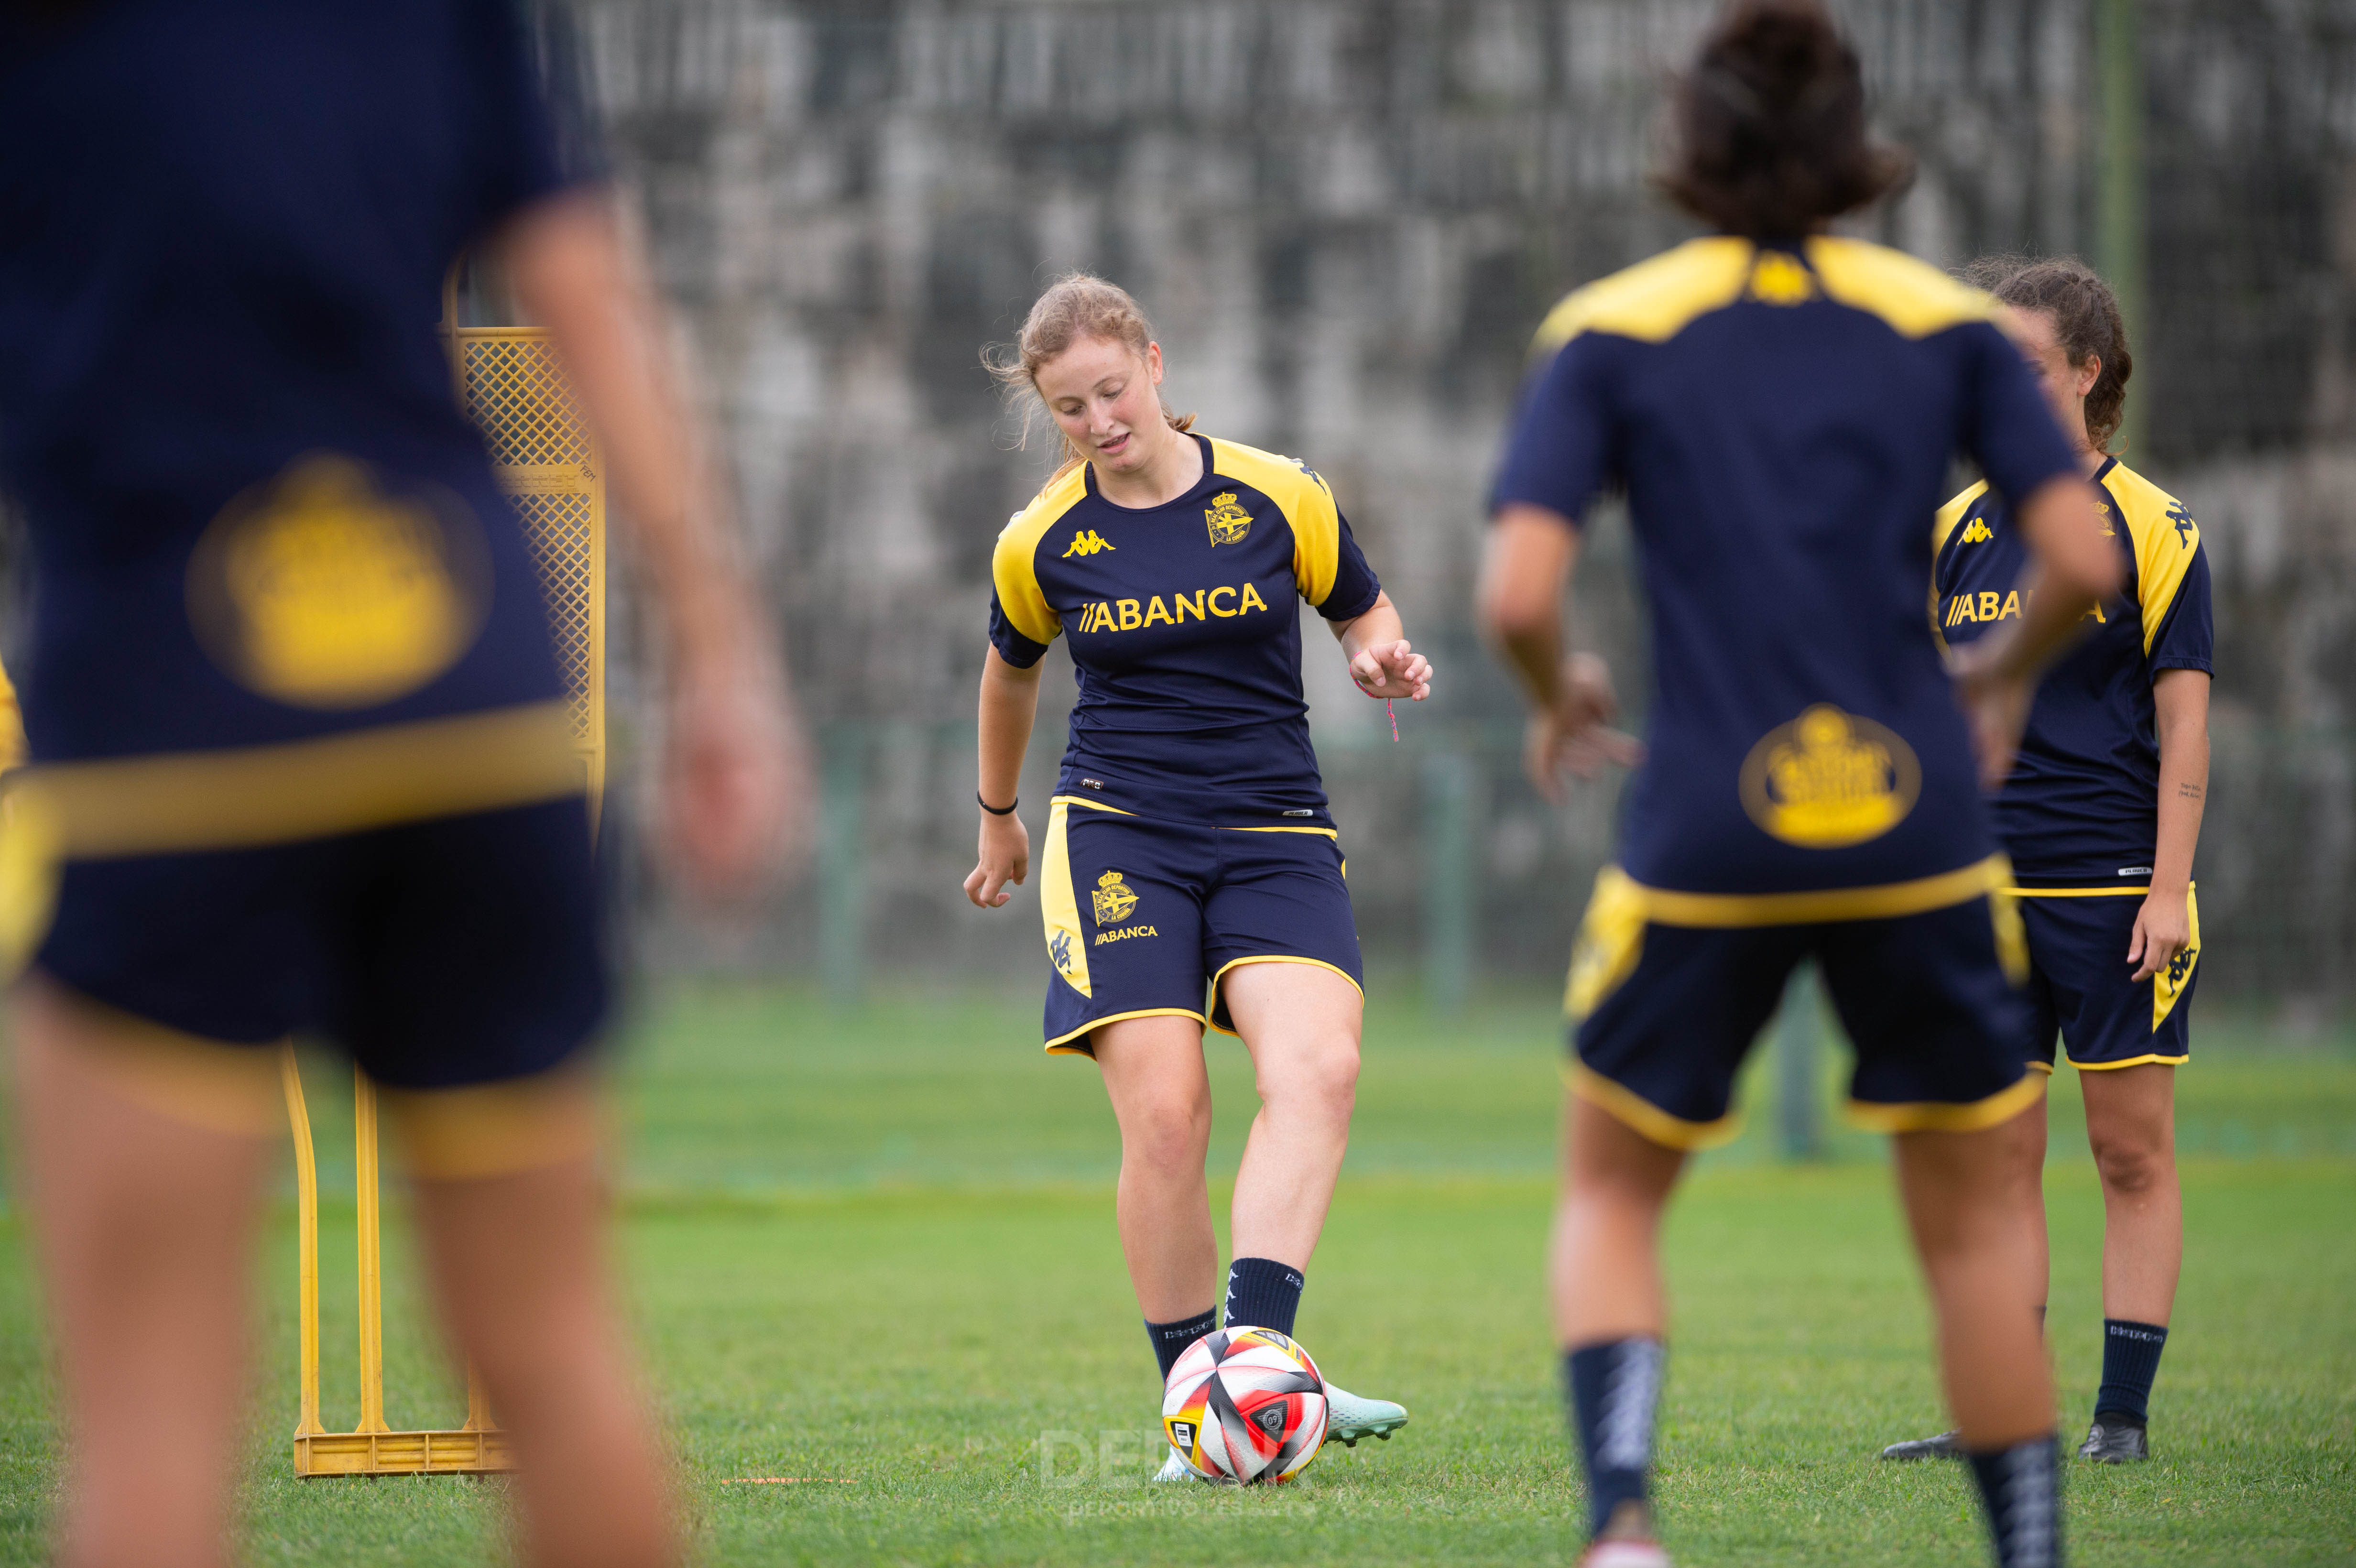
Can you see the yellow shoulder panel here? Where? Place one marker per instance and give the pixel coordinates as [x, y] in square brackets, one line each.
[1653, 300]
[1307, 505]
[1914, 297]
[1952, 513]
[1013, 564]
[12, 725]
[2165, 537]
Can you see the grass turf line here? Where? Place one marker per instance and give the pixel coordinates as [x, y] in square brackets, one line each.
[880, 1247]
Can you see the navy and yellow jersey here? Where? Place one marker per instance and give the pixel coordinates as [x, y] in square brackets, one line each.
[1781, 421]
[256, 513]
[1184, 632]
[2081, 805]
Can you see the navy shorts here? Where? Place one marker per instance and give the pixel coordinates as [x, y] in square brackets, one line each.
[442, 954]
[1143, 915]
[2080, 985]
[1669, 991]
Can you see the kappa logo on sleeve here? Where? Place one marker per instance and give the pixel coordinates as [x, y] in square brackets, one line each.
[1087, 541]
[1978, 532]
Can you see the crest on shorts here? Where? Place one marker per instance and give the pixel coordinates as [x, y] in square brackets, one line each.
[1113, 898]
[1829, 779]
[1229, 522]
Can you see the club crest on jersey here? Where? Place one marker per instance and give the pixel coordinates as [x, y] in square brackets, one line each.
[1829, 779]
[1229, 522]
[1087, 541]
[1112, 897]
[2104, 507]
[1978, 531]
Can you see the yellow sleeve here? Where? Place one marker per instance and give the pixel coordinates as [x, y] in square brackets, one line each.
[1014, 563]
[1952, 513]
[1015, 572]
[2166, 541]
[12, 725]
[1308, 506]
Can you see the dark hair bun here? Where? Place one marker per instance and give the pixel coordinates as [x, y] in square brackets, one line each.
[1771, 127]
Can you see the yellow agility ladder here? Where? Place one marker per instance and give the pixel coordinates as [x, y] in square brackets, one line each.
[508, 383]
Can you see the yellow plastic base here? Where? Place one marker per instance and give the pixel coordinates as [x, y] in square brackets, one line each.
[460, 1453]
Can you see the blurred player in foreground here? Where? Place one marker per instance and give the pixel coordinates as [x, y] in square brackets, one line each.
[301, 762]
[2100, 816]
[1781, 408]
[1189, 842]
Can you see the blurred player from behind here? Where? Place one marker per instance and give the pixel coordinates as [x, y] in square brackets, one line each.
[2100, 816]
[299, 755]
[1781, 407]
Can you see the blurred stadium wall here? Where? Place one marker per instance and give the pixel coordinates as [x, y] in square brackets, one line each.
[1345, 220]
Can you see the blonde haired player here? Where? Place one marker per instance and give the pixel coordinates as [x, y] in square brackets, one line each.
[1188, 844]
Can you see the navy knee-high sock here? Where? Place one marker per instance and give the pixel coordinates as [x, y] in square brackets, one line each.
[1611, 1389]
[1171, 1340]
[2130, 1362]
[1263, 1293]
[2022, 1489]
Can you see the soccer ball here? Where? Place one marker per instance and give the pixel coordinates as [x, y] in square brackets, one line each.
[1244, 1404]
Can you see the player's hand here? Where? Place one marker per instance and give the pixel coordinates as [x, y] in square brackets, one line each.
[1392, 669]
[1005, 856]
[1994, 698]
[1576, 735]
[736, 778]
[2163, 928]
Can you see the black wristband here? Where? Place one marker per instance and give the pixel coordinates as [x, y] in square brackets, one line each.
[996, 810]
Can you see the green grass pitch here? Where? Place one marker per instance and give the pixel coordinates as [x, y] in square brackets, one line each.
[876, 1250]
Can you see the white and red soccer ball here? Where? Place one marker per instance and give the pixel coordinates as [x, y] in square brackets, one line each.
[1244, 1404]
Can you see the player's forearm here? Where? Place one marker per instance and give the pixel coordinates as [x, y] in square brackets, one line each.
[574, 273]
[1009, 705]
[1525, 567]
[2181, 700]
[1378, 627]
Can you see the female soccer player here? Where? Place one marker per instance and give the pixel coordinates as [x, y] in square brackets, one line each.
[300, 755]
[2100, 816]
[1780, 407]
[1188, 842]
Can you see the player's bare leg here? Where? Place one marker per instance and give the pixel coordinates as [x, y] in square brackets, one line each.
[2021, 1142]
[145, 1221]
[1160, 1093]
[523, 1283]
[1301, 1023]
[1603, 1269]
[2131, 1127]
[1961, 1199]
[1605, 1257]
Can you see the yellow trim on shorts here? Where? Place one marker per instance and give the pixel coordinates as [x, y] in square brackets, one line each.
[246, 796]
[222, 1086]
[2044, 1067]
[2130, 1062]
[1091, 805]
[1060, 1045]
[1322, 832]
[2076, 892]
[1648, 1120]
[483, 1130]
[1059, 902]
[1888, 900]
[1940, 1117]
[1270, 958]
